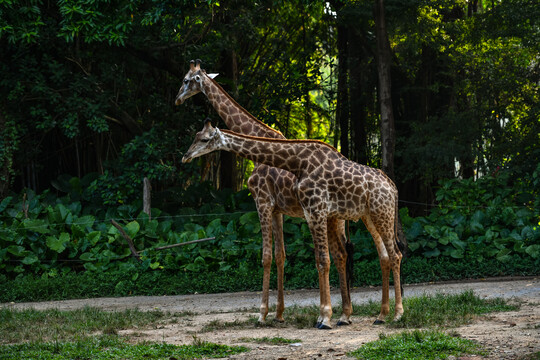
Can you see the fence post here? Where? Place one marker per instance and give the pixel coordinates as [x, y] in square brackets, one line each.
[147, 197]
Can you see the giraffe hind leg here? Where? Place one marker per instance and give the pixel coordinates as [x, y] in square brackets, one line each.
[384, 261]
[341, 254]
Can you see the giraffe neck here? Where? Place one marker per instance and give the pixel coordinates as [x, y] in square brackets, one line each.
[235, 116]
[296, 156]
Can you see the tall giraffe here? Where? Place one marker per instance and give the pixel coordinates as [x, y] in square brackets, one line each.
[328, 187]
[272, 190]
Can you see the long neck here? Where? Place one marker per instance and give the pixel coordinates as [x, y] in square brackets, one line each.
[235, 116]
[283, 154]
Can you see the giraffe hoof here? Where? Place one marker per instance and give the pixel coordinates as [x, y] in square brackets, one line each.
[323, 326]
[279, 320]
[344, 323]
[378, 322]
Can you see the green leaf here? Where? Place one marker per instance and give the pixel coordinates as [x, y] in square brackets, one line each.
[249, 217]
[86, 221]
[214, 228]
[432, 231]
[36, 225]
[527, 233]
[432, 253]
[61, 213]
[16, 250]
[132, 228]
[58, 244]
[503, 255]
[533, 251]
[4, 204]
[30, 259]
[415, 230]
[154, 265]
[93, 237]
[413, 246]
[458, 244]
[457, 254]
[476, 227]
[87, 256]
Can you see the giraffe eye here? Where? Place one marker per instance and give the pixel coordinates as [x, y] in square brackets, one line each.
[197, 78]
[205, 140]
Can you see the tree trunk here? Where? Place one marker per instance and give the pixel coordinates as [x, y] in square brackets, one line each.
[358, 98]
[384, 60]
[342, 107]
[6, 158]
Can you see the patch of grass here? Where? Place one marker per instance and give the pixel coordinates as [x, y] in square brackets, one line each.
[302, 317]
[447, 310]
[222, 325]
[272, 341]
[31, 325]
[111, 347]
[416, 345]
[534, 356]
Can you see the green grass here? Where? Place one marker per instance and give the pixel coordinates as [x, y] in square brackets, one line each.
[277, 340]
[448, 310]
[416, 345]
[45, 325]
[108, 347]
[534, 356]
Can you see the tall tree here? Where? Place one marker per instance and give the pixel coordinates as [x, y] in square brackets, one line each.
[384, 62]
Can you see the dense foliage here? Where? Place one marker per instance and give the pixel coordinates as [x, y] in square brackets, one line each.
[86, 113]
[482, 228]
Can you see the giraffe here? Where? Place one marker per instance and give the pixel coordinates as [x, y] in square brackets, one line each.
[273, 192]
[328, 187]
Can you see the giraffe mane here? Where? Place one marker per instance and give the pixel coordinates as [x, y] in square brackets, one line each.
[242, 108]
[285, 141]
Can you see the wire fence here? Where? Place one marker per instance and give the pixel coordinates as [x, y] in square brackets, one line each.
[86, 221]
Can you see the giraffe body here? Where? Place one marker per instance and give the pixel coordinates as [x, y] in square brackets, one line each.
[329, 188]
[273, 190]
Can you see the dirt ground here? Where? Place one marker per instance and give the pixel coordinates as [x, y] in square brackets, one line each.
[508, 335]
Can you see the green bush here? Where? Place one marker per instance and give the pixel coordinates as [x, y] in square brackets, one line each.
[491, 218]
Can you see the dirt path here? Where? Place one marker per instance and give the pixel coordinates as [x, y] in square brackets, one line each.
[508, 335]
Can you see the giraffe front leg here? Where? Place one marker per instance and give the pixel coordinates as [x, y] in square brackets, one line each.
[279, 252]
[265, 219]
[318, 229]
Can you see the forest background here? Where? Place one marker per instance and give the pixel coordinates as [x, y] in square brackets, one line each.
[87, 91]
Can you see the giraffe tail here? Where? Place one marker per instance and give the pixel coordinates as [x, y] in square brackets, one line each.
[401, 242]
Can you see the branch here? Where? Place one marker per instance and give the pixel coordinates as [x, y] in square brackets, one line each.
[184, 243]
[128, 240]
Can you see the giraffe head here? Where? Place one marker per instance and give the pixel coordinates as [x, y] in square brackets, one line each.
[206, 141]
[193, 82]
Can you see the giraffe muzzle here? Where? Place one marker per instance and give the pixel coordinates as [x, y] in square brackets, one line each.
[179, 101]
[186, 159]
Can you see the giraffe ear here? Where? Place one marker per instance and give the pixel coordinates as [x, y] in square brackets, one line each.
[211, 76]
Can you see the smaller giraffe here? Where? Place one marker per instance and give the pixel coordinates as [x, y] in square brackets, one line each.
[328, 187]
